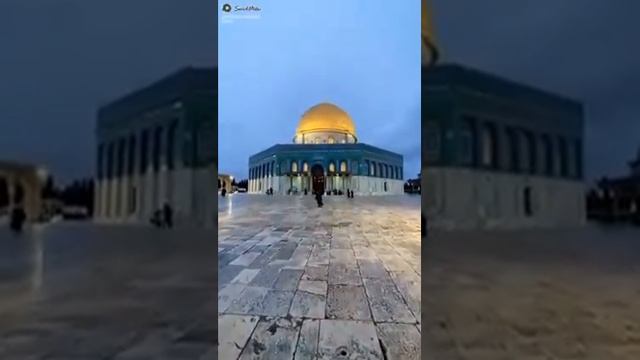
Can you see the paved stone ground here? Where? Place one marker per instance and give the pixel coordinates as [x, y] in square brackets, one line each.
[299, 282]
[84, 291]
[533, 295]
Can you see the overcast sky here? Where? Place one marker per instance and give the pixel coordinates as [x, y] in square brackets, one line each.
[60, 60]
[364, 59]
[584, 49]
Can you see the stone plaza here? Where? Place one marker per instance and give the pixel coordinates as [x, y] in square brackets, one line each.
[300, 282]
[535, 294]
[86, 291]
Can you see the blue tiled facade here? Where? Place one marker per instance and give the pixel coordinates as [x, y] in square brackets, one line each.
[360, 160]
[473, 119]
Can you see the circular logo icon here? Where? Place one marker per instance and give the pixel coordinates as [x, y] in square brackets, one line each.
[226, 8]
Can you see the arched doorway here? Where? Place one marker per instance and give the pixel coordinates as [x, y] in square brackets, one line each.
[317, 178]
[528, 209]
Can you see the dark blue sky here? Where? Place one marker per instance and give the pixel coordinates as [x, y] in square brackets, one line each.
[60, 60]
[582, 49]
[363, 56]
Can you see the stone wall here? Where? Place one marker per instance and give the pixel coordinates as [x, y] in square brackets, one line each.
[361, 185]
[459, 198]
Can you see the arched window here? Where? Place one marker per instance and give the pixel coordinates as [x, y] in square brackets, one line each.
[564, 157]
[547, 155]
[331, 140]
[392, 169]
[273, 171]
[531, 152]
[316, 140]
[380, 173]
[578, 158]
[110, 152]
[294, 166]
[157, 146]
[305, 167]
[171, 144]
[489, 146]
[144, 151]
[122, 144]
[525, 152]
[373, 169]
[513, 150]
[332, 167]
[131, 156]
[343, 166]
[528, 208]
[468, 141]
[367, 164]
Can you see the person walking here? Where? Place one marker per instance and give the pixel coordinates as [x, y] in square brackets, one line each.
[167, 211]
[319, 198]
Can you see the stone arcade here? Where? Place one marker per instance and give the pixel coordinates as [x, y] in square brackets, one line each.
[499, 154]
[158, 145]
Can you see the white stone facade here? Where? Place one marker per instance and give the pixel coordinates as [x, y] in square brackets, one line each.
[191, 192]
[361, 185]
[459, 198]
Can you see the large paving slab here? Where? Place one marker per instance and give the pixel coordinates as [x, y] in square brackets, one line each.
[316, 275]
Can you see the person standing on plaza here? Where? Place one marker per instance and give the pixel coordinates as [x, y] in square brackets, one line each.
[319, 198]
[18, 218]
[168, 215]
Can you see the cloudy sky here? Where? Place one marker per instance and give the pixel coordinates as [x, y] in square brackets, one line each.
[584, 49]
[60, 60]
[364, 59]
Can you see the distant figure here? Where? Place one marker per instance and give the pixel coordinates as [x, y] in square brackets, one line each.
[348, 193]
[270, 191]
[18, 218]
[305, 191]
[168, 215]
[223, 192]
[319, 198]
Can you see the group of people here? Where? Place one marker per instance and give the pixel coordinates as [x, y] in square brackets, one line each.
[163, 218]
[270, 191]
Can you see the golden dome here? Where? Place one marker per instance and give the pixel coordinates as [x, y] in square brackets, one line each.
[326, 117]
